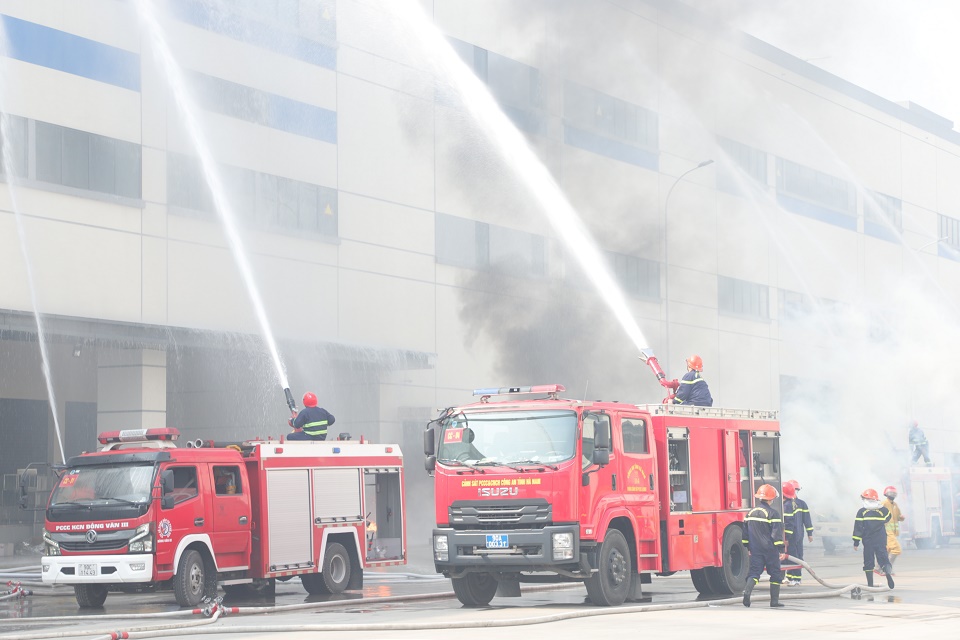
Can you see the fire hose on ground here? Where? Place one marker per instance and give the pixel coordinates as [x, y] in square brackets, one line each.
[216, 610]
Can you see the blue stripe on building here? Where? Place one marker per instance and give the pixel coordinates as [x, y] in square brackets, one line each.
[207, 17]
[817, 212]
[610, 148]
[301, 119]
[46, 47]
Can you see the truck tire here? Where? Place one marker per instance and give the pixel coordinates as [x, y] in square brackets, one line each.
[90, 596]
[699, 578]
[334, 575]
[475, 589]
[256, 589]
[730, 578]
[610, 585]
[192, 580]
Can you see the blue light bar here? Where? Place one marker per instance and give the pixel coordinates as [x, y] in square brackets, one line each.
[505, 391]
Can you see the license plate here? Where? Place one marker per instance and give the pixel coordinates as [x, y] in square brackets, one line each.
[87, 570]
[498, 541]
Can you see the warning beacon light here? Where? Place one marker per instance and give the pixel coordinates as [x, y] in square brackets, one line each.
[550, 389]
[138, 435]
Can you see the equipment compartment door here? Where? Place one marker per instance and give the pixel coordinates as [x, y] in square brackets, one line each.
[734, 460]
[289, 519]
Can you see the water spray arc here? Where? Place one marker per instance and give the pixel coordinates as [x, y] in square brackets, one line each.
[188, 111]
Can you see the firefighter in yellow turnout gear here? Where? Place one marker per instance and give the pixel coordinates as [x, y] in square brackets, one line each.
[893, 525]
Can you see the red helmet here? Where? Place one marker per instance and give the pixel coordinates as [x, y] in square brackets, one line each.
[869, 494]
[309, 399]
[695, 363]
[796, 484]
[766, 492]
[890, 492]
[789, 491]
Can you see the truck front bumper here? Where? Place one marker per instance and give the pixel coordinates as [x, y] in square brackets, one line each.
[530, 549]
[97, 569]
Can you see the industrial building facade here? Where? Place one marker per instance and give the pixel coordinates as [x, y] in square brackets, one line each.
[400, 264]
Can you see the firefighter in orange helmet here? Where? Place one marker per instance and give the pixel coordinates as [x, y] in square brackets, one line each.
[692, 389]
[312, 422]
[763, 538]
[893, 525]
[870, 529]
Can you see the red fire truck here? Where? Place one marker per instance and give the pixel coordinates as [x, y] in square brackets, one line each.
[928, 502]
[607, 493]
[144, 512]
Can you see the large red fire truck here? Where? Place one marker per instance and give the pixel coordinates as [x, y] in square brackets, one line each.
[607, 493]
[929, 503]
[144, 512]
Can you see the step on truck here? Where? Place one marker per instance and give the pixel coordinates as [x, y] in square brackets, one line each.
[144, 512]
[606, 493]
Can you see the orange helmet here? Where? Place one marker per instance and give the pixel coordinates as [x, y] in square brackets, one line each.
[695, 363]
[766, 492]
[869, 494]
[789, 491]
[796, 484]
[309, 399]
[890, 492]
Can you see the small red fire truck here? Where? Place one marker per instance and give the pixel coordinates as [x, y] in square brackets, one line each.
[143, 511]
[607, 493]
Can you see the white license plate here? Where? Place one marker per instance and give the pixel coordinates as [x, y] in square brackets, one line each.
[496, 541]
[87, 570]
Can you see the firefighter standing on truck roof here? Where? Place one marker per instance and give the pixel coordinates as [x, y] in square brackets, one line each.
[692, 389]
[870, 528]
[892, 525]
[806, 524]
[792, 530]
[919, 444]
[763, 538]
[312, 422]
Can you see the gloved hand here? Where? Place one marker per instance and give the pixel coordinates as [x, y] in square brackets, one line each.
[856, 545]
[670, 384]
[290, 422]
[783, 556]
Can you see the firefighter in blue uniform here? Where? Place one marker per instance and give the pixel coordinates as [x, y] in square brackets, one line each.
[870, 528]
[312, 422]
[792, 531]
[763, 538]
[804, 523]
[692, 389]
[919, 444]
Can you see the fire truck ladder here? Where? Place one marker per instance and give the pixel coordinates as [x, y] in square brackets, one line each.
[708, 412]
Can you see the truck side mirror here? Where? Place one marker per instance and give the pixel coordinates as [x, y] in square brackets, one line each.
[429, 442]
[166, 481]
[601, 442]
[430, 463]
[166, 502]
[601, 457]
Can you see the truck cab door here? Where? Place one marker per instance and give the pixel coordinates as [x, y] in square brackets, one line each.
[599, 487]
[640, 489]
[181, 513]
[230, 533]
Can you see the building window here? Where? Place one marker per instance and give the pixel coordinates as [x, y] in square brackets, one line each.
[950, 232]
[478, 245]
[78, 159]
[515, 86]
[602, 114]
[751, 161]
[742, 298]
[637, 276]
[816, 187]
[261, 200]
[15, 128]
[883, 209]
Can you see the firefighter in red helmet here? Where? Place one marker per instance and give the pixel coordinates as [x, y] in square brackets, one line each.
[312, 421]
[893, 524]
[763, 538]
[692, 389]
[805, 527]
[870, 529]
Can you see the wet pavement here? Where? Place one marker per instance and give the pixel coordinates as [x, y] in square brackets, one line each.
[927, 599]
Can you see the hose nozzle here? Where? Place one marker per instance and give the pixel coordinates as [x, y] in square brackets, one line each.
[291, 403]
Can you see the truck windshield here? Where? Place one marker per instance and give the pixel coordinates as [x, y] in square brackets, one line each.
[127, 483]
[507, 437]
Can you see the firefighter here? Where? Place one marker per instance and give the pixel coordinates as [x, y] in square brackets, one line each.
[763, 538]
[792, 530]
[918, 442]
[692, 389]
[804, 521]
[870, 528]
[312, 422]
[892, 525]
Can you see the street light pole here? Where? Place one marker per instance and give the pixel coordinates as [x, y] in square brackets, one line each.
[666, 252]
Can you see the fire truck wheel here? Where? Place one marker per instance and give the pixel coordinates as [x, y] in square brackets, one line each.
[699, 578]
[611, 583]
[90, 595]
[192, 581]
[335, 572]
[731, 577]
[475, 589]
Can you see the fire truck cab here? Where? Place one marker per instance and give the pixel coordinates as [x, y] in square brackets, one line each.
[607, 493]
[144, 512]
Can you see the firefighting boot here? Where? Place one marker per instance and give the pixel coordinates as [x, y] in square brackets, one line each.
[869, 575]
[746, 592]
[889, 570]
[775, 596]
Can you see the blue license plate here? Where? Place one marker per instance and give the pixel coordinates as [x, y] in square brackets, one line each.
[498, 541]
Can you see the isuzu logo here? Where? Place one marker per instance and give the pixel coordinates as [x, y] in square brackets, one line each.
[91, 536]
[492, 492]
